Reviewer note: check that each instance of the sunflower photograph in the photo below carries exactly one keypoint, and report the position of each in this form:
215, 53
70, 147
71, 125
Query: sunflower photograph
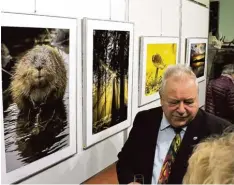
159, 56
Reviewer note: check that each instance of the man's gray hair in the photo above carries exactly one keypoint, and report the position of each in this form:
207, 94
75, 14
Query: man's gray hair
228, 69
178, 70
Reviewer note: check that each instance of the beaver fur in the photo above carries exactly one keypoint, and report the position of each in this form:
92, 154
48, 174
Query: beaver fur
39, 78
37, 89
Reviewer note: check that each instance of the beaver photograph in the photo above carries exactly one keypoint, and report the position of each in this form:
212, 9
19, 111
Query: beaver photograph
35, 96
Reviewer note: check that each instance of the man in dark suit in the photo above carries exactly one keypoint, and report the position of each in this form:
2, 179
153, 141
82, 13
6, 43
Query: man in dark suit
150, 149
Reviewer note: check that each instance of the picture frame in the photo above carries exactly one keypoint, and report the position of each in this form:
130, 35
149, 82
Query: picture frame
197, 58
204, 3
42, 51
108, 52
156, 53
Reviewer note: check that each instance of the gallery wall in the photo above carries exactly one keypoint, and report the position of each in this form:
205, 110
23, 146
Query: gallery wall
174, 18
194, 25
183, 19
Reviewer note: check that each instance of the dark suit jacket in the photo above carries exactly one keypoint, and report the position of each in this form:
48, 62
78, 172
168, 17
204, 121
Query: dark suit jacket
137, 155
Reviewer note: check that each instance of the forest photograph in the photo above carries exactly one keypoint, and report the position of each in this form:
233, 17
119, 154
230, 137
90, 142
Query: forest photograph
110, 78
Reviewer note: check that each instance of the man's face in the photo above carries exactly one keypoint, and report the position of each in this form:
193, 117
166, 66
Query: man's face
179, 100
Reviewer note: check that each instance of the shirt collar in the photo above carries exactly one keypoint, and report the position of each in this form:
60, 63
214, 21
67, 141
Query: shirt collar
165, 124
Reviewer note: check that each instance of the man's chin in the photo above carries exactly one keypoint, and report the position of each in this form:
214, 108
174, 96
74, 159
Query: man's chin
178, 123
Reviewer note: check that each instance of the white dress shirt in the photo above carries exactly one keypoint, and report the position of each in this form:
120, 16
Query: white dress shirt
165, 137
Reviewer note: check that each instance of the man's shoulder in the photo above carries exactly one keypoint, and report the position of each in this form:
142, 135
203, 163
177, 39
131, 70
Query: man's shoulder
153, 111
148, 116
212, 117
214, 121
147, 119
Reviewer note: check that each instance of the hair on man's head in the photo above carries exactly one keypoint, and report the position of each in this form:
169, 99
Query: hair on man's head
179, 71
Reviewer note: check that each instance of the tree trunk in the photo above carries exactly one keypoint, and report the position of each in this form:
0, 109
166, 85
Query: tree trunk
121, 66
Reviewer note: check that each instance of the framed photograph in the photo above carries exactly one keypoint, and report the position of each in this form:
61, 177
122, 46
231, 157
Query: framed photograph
156, 53
37, 94
202, 2
108, 53
196, 56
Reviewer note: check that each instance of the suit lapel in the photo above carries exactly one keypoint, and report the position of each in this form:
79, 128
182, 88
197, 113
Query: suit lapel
154, 119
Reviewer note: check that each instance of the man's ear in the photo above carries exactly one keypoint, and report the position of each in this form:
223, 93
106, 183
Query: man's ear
161, 99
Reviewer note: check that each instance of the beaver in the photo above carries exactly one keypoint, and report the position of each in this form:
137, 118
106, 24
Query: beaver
37, 118
37, 88
39, 77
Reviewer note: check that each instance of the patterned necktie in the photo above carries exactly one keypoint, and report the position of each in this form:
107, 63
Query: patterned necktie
170, 157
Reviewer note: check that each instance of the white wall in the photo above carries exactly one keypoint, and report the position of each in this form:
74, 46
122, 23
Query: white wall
195, 21
151, 18
156, 19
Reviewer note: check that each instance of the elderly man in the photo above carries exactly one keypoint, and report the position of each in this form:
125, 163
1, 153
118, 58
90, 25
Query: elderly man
162, 139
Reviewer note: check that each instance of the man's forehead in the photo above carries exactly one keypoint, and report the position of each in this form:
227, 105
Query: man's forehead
179, 79
182, 99
174, 85
180, 93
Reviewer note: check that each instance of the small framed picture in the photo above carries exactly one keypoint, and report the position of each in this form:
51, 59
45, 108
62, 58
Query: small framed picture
156, 53
196, 56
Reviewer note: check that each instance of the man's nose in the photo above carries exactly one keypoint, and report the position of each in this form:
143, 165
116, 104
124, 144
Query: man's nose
181, 109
